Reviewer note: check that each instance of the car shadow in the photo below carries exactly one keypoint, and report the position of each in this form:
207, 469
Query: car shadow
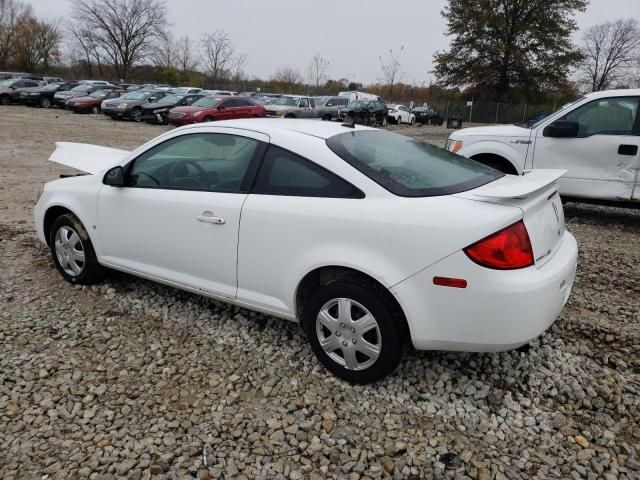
628, 218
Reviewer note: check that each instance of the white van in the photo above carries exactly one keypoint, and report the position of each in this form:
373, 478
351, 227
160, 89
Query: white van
353, 95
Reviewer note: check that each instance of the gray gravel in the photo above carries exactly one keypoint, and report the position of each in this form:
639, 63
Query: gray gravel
135, 380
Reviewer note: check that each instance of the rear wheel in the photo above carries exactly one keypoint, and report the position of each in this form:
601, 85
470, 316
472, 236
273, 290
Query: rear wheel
95, 109
289, 115
208, 118
5, 100
45, 103
353, 331
73, 253
327, 117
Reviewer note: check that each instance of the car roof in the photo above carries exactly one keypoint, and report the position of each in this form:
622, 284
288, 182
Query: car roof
623, 92
313, 128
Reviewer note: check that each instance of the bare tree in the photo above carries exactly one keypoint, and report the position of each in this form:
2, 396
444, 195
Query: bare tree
287, 77
609, 51
85, 42
187, 58
125, 30
36, 43
12, 12
217, 55
391, 69
165, 52
237, 67
48, 38
318, 71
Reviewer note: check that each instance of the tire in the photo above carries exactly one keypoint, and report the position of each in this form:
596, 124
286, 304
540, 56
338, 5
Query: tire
45, 103
289, 115
384, 121
95, 109
327, 118
5, 99
384, 332
412, 122
69, 242
136, 114
399, 120
208, 118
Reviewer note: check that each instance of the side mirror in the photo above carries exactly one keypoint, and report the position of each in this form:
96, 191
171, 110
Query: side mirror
221, 107
114, 177
562, 129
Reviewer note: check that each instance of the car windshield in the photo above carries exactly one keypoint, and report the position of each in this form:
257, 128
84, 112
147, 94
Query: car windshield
182, 89
81, 88
171, 99
358, 104
51, 87
562, 108
206, 102
286, 101
408, 167
99, 94
136, 96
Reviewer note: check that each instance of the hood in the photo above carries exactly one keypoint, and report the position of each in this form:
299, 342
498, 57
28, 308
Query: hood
494, 131
118, 101
87, 158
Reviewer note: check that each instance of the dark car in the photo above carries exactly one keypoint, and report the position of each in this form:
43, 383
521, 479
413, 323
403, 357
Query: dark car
43, 96
208, 109
82, 90
12, 88
129, 106
427, 116
327, 107
365, 112
93, 102
158, 112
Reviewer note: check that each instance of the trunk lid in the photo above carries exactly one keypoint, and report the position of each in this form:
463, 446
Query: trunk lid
535, 193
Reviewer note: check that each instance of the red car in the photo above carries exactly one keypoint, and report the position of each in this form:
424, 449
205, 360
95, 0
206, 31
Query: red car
92, 102
209, 109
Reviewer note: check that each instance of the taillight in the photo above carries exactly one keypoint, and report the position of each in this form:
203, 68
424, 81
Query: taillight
508, 249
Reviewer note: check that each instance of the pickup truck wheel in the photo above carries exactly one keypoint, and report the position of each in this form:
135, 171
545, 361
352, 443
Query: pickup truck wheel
45, 103
73, 253
353, 330
496, 162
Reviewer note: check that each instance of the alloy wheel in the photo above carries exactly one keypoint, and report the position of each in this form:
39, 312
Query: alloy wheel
95, 109
45, 102
69, 251
348, 333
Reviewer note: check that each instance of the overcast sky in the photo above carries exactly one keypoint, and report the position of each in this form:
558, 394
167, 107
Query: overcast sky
351, 34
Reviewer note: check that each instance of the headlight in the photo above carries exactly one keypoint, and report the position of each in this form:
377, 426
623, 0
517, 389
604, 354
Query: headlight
122, 106
34, 94
454, 145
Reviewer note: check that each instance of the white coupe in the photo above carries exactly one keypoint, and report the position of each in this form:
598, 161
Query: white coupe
369, 239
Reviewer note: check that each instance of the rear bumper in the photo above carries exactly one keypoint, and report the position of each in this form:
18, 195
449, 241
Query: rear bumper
499, 310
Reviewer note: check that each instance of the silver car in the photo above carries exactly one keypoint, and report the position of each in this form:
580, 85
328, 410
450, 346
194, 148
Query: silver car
327, 107
292, 106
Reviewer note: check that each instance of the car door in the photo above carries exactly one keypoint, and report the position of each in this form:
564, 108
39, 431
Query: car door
602, 160
227, 110
305, 108
177, 219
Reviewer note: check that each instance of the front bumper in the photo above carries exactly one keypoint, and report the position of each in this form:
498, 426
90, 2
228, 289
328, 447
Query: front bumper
116, 112
180, 121
499, 310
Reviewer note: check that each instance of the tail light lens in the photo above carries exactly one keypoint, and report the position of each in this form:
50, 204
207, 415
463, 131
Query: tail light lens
507, 249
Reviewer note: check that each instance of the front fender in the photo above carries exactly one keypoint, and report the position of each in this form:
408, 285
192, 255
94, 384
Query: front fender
504, 150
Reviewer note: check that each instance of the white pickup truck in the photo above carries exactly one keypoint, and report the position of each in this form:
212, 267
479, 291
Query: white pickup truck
595, 138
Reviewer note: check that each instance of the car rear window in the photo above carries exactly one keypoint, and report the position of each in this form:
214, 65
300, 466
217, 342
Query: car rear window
408, 167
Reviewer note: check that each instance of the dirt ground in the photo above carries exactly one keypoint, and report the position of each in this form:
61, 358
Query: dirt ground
130, 379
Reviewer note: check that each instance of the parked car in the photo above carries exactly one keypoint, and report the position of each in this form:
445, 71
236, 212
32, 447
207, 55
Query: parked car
427, 116
218, 93
595, 138
292, 106
367, 238
10, 89
187, 90
129, 106
209, 109
53, 80
158, 112
92, 103
365, 112
60, 98
43, 96
353, 95
327, 107
399, 114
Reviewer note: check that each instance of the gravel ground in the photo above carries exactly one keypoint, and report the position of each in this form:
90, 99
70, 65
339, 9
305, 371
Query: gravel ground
130, 379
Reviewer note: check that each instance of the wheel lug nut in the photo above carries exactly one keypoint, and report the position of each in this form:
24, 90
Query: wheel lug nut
338, 334
354, 341
353, 330
342, 325
345, 343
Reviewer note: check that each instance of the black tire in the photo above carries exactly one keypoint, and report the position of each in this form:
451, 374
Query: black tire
45, 103
327, 118
96, 109
5, 99
289, 115
208, 118
91, 271
389, 321
136, 114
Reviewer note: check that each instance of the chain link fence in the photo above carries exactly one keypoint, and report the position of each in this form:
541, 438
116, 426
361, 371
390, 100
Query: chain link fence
492, 112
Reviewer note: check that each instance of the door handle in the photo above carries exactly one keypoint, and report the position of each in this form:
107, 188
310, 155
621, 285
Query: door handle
208, 217
628, 150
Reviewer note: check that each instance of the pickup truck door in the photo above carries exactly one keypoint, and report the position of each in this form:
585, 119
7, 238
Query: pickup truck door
603, 160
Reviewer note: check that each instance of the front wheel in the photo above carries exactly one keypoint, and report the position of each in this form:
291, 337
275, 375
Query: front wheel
353, 330
136, 115
73, 253
95, 109
45, 103
5, 99
208, 119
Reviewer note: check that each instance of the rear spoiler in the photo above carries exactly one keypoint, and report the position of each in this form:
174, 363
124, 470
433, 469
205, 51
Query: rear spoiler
519, 186
87, 158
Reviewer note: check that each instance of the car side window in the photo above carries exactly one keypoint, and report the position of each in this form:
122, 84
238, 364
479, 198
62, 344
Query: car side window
228, 103
212, 162
606, 116
285, 173
304, 103
312, 103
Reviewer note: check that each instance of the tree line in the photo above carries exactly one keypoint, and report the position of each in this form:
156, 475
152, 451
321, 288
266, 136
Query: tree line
500, 50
